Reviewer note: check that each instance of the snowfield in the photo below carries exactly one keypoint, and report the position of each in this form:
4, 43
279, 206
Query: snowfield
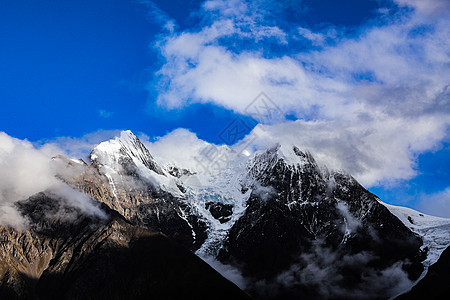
435, 231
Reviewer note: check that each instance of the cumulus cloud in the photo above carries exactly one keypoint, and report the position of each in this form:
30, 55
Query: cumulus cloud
26, 170
373, 153
75, 199
368, 103
316, 39
179, 148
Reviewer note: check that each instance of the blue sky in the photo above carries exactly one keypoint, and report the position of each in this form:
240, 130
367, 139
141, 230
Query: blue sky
340, 71
71, 68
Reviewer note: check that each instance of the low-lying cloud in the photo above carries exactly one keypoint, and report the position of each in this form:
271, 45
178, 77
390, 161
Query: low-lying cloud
25, 171
263, 192
321, 273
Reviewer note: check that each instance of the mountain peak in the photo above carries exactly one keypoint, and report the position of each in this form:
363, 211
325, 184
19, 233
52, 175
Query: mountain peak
124, 149
289, 153
127, 135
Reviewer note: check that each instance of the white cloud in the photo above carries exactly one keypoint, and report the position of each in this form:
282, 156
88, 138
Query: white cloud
427, 7
369, 103
374, 152
315, 38
437, 204
321, 271
179, 148
105, 114
159, 17
24, 171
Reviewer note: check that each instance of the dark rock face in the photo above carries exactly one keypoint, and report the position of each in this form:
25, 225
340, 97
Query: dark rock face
305, 233
99, 258
435, 284
178, 172
140, 202
220, 211
132, 263
296, 211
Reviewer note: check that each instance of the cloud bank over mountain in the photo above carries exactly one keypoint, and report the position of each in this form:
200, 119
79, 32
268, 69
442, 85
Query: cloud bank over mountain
25, 171
370, 100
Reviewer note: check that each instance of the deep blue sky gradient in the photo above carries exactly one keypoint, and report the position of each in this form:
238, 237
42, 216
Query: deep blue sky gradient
62, 62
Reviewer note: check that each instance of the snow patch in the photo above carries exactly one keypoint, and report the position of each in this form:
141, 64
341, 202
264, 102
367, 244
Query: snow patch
435, 231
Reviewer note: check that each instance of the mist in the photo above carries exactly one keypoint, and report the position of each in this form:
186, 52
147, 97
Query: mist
332, 275
26, 170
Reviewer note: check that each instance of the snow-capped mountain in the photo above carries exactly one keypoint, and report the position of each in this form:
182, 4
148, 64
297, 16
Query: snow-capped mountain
276, 223
126, 155
276, 207
434, 231
65, 254
121, 151
143, 191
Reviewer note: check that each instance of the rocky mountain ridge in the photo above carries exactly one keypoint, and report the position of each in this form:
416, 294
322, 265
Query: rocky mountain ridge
98, 258
278, 220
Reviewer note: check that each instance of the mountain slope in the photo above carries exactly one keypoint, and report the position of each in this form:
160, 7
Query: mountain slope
124, 151
276, 223
68, 255
434, 231
298, 212
280, 212
435, 284
120, 177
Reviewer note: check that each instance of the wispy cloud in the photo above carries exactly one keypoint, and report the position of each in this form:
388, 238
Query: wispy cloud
159, 17
80, 147
105, 114
427, 8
